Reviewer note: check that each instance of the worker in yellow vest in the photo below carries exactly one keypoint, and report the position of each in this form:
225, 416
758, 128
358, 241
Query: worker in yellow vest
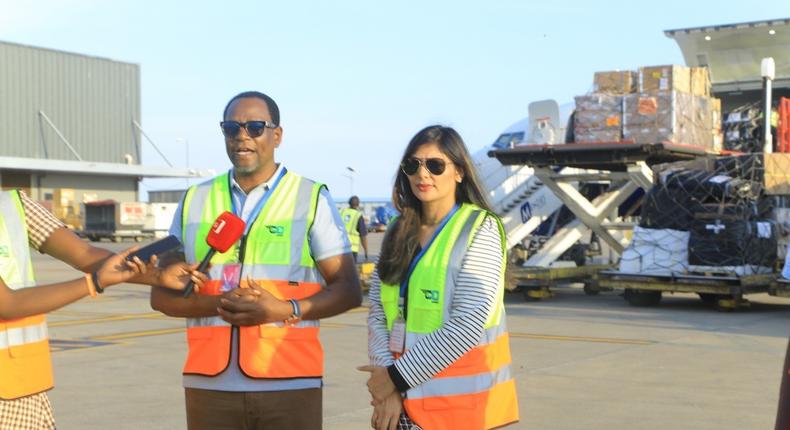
25, 364
254, 357
438, 344
357, 231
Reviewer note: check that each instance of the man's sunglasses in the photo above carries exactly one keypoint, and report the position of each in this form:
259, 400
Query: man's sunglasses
435, 166
254, 128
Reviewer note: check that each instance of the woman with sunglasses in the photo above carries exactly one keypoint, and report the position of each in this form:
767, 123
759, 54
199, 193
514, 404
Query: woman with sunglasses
439, 350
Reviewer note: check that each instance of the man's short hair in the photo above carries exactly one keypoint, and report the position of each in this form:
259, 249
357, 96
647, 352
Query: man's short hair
274, 111
351, 200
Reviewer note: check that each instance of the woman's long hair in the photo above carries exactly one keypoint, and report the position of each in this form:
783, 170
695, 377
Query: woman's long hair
401, 241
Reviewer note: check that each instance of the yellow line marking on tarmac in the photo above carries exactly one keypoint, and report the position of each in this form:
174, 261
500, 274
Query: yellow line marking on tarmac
337, 325
133, 334
111, 318
581, 339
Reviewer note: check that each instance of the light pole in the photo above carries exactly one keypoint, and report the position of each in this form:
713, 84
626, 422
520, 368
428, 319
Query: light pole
350, 180
186, 149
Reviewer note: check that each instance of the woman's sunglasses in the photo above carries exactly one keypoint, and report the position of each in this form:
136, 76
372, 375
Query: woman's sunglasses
435, 166
254, 128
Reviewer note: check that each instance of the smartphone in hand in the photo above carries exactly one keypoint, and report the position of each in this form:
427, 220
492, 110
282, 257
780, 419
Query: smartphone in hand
160, 247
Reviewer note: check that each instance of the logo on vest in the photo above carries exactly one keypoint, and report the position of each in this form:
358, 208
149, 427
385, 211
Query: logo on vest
432, 295
347, 218
276, 230
4, 252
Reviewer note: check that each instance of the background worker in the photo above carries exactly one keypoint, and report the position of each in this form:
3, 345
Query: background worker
25, 363
354, 221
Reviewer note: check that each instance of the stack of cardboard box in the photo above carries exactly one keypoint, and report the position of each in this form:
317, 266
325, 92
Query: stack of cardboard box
658, 104
673, 105
66, 208
599, 116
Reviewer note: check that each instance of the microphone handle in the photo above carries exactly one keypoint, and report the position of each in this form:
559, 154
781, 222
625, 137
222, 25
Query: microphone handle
202, 268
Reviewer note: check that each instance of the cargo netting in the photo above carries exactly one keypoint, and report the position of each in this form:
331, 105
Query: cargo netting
743, 128
710, 215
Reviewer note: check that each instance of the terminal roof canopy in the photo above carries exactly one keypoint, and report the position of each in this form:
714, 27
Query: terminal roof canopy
733, 52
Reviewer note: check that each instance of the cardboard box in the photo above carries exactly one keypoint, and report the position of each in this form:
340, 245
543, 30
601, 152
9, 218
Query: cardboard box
615, 82
598, 118
675, 117
700, 81
715, 113
597, 136
777, 173
657, 79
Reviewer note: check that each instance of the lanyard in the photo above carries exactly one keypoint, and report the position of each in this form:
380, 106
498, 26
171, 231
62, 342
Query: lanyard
258, 207
404, 285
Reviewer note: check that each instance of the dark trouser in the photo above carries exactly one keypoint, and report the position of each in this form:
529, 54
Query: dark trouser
295, 409
355, 256
783, 413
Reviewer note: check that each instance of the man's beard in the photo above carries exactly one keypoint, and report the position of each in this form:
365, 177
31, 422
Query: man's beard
245, 170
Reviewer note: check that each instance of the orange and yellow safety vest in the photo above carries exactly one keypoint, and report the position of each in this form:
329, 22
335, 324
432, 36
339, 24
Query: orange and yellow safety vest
276, 255
477, 391
25, 362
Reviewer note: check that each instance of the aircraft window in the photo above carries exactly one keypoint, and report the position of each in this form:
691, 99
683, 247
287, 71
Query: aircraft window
506, 140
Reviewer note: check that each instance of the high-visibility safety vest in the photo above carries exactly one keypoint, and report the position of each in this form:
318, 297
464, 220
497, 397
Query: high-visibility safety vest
25, 362
277, 256
477, 391
350, 217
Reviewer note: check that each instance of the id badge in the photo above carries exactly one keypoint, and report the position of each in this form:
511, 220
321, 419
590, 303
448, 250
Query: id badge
398, 336
231, 274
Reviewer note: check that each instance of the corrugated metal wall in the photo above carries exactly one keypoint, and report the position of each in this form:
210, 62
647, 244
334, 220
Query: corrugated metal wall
92, 101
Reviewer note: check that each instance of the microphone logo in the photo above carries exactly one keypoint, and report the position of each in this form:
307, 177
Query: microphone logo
218, 226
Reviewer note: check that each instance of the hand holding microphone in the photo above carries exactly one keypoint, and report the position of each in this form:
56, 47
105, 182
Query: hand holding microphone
225, 231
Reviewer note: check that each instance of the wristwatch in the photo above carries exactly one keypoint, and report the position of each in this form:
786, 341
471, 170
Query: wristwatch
296, 314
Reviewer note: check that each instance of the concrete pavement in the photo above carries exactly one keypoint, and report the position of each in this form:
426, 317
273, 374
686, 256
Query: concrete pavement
581, 362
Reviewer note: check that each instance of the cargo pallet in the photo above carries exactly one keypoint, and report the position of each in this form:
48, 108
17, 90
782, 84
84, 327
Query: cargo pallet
724, 291
536, 282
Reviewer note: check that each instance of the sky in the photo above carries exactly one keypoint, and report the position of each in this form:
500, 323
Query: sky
355, 80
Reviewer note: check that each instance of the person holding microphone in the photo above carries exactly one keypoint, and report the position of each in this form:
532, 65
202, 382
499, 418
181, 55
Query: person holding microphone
25, 362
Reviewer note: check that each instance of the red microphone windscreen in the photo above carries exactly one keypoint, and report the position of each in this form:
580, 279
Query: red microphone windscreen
227, 229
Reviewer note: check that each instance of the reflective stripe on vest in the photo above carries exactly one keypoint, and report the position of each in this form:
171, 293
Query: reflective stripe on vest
277, 258
350, 217
477, 391
25, 362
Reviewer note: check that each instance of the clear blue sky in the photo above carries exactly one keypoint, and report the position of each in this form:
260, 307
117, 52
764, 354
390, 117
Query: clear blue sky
356, 79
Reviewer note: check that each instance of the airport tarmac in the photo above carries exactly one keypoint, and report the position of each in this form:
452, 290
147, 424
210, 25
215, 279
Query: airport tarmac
580, 362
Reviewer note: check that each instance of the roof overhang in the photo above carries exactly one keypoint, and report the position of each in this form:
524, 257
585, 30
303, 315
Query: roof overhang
733, 52
100, 169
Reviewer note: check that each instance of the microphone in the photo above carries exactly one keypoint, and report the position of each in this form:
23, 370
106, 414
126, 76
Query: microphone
227, 229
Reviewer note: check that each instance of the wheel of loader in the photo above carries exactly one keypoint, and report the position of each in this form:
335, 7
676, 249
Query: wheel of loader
117, 239
533, 294
710, 298
591, 288
138, 238
642, 298
725, 303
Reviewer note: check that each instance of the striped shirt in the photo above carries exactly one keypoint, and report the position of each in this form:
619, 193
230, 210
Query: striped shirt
474, 300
